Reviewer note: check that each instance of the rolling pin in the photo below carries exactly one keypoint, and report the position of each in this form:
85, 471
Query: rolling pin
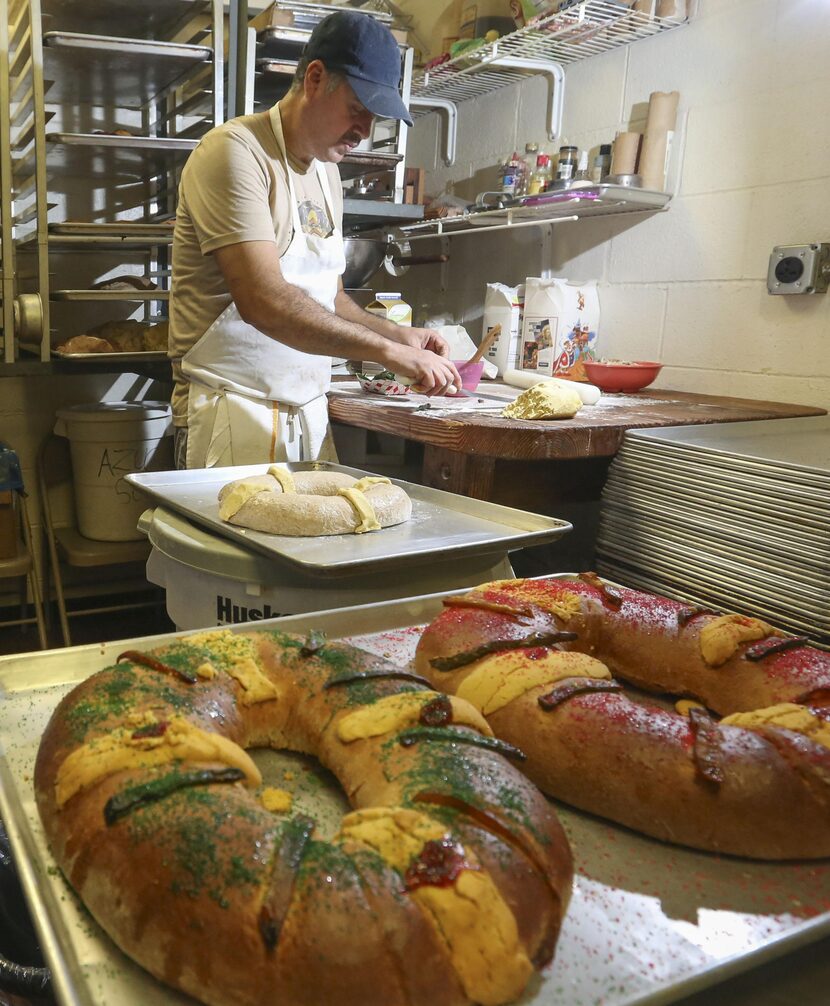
589, 393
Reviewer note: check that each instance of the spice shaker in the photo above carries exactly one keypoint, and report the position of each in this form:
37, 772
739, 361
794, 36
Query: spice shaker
601, 167
567, 163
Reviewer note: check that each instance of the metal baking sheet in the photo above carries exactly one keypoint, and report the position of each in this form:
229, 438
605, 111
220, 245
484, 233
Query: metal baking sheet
736, 562
109, 357
282, 41
730, 591
150, 19
798, 548
780, 523
699, 588
150, 143
118, 228
128, 293
780, 552
692, 486
719, 465
648, 923
690, 588
789, 521
114, 72
808, 593
94, 155
718, 470
442, 523
796, 443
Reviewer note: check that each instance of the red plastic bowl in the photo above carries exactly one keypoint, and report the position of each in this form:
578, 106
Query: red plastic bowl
621, 376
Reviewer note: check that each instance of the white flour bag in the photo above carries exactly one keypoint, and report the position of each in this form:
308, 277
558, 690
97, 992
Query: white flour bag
503, 306
559, 327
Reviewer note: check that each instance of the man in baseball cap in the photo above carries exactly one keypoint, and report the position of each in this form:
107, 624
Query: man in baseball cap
257, 306
366, 53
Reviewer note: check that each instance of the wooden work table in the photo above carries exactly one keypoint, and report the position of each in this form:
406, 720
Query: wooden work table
557, 468
525, 463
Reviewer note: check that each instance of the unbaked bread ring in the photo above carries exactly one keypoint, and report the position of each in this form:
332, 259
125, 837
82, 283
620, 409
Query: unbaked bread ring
445, 885
536, 657
313, 503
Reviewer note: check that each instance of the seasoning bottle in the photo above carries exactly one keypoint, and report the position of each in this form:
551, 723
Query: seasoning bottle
528, 164
510, 173
541, 177
601, 167
567, 163
582, 168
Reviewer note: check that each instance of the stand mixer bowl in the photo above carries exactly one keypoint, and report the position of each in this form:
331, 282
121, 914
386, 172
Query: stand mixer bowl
364, 256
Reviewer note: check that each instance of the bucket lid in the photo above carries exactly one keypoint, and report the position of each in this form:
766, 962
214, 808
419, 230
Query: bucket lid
114, 412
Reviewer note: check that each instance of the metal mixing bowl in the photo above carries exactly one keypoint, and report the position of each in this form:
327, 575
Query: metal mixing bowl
364, 256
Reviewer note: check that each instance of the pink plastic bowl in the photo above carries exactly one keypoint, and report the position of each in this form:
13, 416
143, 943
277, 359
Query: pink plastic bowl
470, 373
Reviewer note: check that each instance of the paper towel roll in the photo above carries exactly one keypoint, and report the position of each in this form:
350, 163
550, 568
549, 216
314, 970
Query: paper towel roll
671, 8
624, 157
589, 394
654, 156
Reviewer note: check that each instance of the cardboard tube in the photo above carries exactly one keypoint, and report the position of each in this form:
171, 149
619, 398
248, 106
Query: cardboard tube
624, 157
671, 8
654, 156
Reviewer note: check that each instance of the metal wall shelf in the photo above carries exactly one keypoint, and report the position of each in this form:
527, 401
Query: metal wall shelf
587, 29
546, 47
554, 207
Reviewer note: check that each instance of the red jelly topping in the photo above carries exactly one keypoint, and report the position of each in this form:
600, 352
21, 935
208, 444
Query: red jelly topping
438, 865
151, 730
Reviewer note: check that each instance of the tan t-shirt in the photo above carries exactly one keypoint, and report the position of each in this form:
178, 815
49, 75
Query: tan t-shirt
234, 187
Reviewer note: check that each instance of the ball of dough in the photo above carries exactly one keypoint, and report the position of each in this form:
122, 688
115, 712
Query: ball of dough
547, 400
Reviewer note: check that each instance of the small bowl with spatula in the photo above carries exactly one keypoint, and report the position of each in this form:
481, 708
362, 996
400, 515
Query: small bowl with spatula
471, 370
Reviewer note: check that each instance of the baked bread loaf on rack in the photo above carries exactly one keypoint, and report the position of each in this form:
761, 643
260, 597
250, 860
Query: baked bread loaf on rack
445, 885
306, 504
536, 657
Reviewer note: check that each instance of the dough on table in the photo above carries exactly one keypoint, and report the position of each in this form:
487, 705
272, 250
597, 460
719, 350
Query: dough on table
545, 401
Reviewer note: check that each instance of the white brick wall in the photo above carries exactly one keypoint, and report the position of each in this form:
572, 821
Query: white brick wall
689, 285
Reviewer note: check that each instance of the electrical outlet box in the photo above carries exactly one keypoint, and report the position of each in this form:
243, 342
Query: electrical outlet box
799, 269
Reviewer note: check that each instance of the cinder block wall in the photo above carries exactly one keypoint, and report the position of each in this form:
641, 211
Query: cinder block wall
687, 286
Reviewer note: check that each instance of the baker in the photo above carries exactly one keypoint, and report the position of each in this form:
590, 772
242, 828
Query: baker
257, 306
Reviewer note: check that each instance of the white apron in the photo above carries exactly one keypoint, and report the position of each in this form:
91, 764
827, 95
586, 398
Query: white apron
253, 399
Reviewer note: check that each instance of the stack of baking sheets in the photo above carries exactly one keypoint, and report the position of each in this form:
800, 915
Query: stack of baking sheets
733, 515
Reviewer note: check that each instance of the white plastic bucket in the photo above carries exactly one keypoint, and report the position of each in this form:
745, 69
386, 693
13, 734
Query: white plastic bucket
108, 440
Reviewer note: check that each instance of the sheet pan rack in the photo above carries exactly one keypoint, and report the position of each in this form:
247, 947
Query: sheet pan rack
24, 206
155, 66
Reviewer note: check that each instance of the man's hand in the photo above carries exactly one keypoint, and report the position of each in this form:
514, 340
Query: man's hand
430, 373
425, 338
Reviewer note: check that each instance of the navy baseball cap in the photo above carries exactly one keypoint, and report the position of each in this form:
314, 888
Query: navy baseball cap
366, 53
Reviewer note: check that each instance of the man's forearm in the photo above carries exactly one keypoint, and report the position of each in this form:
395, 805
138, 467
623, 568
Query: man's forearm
346, 308
286, 313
